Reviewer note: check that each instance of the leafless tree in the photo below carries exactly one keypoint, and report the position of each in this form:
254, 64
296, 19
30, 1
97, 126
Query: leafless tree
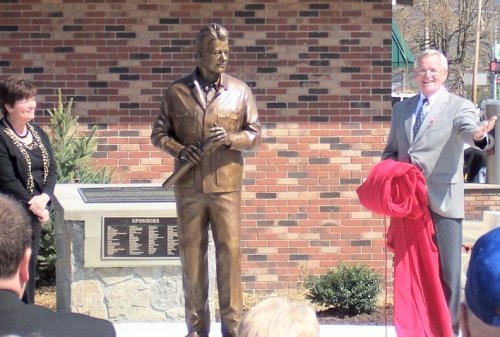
450, 26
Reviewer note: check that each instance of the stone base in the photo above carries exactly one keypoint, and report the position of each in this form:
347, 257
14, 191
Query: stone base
130, 292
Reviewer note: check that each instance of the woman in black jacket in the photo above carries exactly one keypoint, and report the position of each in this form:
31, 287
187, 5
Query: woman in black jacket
27, 166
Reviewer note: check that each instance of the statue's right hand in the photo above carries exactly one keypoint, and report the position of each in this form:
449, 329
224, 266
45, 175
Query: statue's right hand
190, 153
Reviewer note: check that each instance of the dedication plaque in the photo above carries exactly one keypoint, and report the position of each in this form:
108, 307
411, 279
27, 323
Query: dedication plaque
125, 194
139, 238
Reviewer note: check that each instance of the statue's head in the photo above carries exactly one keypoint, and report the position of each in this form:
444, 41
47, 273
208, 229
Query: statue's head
212, 51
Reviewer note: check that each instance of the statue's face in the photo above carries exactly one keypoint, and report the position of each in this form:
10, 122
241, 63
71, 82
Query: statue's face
212, 59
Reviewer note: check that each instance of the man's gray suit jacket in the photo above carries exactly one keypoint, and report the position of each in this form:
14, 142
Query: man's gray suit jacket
437, 148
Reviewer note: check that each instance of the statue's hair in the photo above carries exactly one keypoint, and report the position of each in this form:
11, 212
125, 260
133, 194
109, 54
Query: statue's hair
209, 33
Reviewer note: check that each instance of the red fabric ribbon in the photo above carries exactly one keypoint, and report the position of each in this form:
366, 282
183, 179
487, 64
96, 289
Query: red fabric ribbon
399, 190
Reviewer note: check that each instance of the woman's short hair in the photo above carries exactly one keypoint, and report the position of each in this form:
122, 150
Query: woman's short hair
14, 89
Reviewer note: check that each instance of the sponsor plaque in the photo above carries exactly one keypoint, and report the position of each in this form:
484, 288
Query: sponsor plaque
139, 238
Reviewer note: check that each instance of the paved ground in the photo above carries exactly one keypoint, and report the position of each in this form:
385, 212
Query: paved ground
178, 329
472, 230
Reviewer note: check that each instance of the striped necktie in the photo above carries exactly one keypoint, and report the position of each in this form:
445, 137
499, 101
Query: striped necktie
419, 118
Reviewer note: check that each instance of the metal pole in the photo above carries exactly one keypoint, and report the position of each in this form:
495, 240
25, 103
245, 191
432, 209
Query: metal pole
476, 53
493, 162
427, 38
495, 175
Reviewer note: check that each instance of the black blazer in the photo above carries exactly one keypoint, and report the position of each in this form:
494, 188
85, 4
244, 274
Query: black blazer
24, 320
14, 169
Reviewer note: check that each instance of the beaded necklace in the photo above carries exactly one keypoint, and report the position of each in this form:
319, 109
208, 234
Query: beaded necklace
14, 130
37, 142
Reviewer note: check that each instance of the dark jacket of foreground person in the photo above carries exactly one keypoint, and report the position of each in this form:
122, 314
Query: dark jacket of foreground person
26, 320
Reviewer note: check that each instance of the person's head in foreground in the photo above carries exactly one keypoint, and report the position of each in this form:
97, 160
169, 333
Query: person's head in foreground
480, 312
15, 242
279, 317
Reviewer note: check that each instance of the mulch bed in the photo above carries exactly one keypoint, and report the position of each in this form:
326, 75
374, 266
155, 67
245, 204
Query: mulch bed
46, 297
381, 316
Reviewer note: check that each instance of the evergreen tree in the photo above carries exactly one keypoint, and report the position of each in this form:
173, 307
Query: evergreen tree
73, 154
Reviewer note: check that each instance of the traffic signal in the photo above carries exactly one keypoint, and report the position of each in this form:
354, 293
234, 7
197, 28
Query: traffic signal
497, 80
495, 66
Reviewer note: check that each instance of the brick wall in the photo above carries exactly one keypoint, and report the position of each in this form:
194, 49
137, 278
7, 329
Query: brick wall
480, 198
320, 72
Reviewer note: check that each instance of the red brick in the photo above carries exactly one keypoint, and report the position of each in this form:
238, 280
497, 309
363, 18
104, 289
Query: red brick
292, 128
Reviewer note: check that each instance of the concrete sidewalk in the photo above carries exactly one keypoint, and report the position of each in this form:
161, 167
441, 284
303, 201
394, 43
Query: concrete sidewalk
178, 329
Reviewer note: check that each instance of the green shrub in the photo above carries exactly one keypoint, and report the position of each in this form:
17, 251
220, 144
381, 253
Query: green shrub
348, 289
72, 153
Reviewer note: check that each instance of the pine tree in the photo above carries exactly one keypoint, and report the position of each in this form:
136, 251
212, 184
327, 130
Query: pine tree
73, 154
72, 151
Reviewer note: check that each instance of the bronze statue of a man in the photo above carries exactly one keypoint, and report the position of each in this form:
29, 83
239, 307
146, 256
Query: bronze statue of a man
211, 108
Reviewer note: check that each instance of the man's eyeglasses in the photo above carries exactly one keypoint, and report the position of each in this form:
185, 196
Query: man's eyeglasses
432, 72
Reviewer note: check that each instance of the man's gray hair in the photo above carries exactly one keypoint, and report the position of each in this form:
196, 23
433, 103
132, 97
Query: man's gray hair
429, 53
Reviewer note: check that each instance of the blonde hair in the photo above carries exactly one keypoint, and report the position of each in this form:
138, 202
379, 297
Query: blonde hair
279, 317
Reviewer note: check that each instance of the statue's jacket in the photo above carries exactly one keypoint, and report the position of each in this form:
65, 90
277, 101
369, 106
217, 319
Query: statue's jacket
186, 119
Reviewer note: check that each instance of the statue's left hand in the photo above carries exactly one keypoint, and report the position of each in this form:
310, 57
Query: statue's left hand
219, 135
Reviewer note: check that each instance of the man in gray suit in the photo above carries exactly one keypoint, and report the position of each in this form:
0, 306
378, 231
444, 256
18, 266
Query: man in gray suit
429, 130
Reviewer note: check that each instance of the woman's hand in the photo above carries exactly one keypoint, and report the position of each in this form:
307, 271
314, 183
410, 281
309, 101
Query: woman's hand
43, 216
38, 206
38, 203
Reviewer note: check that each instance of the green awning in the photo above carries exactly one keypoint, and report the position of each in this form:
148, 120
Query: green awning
401, 54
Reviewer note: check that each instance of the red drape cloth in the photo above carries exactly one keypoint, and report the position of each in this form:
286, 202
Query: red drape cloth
399, 190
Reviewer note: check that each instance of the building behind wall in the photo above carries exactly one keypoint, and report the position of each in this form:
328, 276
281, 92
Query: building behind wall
321, 75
